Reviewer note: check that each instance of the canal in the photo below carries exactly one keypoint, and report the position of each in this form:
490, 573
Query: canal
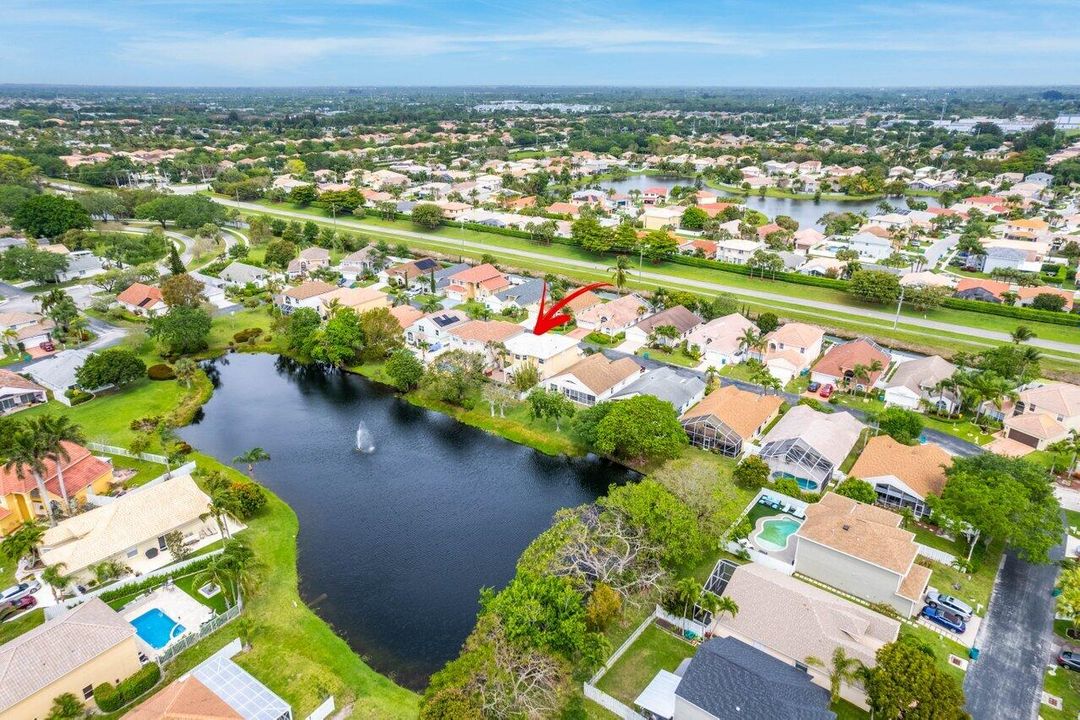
395, 544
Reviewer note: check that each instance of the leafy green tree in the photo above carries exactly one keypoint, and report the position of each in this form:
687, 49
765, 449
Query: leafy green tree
603, 607
1001, 498
280, 252
427, 215
751, 473
876, 286
113, 366
586, 423
182, 291
49, 216
310, 232
455, 376
11, 197
381, 332
1048, 301
640, 429
694, 218
658, 245
544, 612
667, 521
906, 683
550, 404
901, 424
29, 263
176, 265
182, 330
405, 369
857, 489
303, 327
303, 195
340, 341
587, 232
15, 170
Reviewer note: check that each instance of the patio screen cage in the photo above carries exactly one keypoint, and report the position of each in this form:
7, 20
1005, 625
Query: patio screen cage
795, 457
709, 433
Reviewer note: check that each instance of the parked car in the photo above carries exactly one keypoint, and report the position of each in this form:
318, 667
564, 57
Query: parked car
955, 605
47, 346
17, 606
18, 592
945, 618
826, 390
1069, 659
813, 387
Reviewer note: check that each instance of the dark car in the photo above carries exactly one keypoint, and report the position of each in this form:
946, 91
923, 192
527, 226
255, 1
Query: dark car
813, 387
17, 606
1069, 659
944, 618
47, 346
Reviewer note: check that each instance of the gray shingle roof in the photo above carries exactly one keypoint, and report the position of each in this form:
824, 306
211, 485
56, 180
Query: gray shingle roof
731, 680
666, 384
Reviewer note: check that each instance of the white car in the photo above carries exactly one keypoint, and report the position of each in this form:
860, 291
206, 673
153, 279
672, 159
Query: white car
18, 592
947, 602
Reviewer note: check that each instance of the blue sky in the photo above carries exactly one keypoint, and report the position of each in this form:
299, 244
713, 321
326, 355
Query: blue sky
539, 42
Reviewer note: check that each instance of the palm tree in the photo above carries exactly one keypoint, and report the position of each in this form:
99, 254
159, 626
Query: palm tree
56, 430
1028, 356
252, 456
26, 454
11, 339
54, 577
235, 570
185, 370
221, 506
24, 541
424, 346
687, 590
722, 605
844, 669
1022, 334
620, 272
751, 339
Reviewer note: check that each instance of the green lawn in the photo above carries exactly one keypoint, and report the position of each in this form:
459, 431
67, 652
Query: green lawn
942, 646
738, 371
144, 471
976, 588
1065, 684
1072, 519
846, 711
225, 326
654, 650
14, 628
930, 539
676, 357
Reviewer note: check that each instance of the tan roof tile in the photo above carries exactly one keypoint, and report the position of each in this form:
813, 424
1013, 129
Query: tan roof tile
742, 411
920, 467
866, 532
599, 374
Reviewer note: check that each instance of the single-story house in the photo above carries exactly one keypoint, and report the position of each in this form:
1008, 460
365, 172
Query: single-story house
365, 260
307, 294
80, 264
405, 273
17, 393
238, 274
360, 299
132, 528
792, 620
682, 390
862, 550
902, 475
1025, 296
525, 296
809, 446
677, 317
406, 315
595, 378
142, 299
57, 373
484, 336
551, 353
720, 340
613, 317
914, 382
729, 417
839, 363
73, 653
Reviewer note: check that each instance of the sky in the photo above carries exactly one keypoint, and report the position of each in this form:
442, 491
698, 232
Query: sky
540, 42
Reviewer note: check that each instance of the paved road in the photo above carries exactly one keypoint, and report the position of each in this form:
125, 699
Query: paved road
661, 278
1006, 681
951, 443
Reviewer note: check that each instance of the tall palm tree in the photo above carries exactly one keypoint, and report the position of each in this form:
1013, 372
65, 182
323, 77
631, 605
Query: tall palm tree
687, 590
26, 454
1022, 334
23, 541
221, 506
750, 339
11, 339
58, 582
723, 606
56, 430
249, 458
235, 570
185, 370
620, 272
843, 669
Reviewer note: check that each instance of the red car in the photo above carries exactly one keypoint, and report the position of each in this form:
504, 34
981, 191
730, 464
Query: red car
17, 606
47, 346
826, 391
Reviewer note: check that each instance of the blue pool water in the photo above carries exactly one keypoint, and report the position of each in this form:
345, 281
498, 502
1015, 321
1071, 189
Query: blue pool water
157, 628
774, 533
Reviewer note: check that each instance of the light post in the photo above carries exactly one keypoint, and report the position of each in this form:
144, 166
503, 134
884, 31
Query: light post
898, 304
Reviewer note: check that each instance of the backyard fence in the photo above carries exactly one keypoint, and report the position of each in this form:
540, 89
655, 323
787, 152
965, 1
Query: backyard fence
117, 450
936, 555
323, 711
137, 579
210, 626
602, 698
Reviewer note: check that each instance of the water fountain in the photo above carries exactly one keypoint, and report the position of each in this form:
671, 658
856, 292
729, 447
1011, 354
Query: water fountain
365, 443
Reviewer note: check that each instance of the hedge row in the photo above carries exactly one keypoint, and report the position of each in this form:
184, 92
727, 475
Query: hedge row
146, 584
111, 699
1012, 311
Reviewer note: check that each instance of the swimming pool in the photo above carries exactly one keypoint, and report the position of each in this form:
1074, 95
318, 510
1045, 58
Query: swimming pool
157, 628
775, 532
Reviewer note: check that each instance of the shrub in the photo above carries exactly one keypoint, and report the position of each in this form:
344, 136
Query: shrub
247, 335
249, 497
161, 371
145, 424
752, 473
77, 396
140, 682
106, 697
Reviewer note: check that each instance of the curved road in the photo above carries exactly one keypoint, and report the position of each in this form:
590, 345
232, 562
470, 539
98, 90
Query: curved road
877, 315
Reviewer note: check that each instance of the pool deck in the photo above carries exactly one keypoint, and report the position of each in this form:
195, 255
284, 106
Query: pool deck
175, 603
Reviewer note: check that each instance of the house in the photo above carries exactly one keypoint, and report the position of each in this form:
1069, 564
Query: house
143, 300
925, 279
902, 475
27, 329
215, 689
870, 245
360, 299
483, 336
1026, 229
807, 238
915, 382
403, 274
1022, 255
308, 261
406, 315
737, 251
980, 289
239, 274
595, 378
720, 341
789, 349
80, 264
432, 329
808, 446
841, 362
18, 393
57, 373
613, 317
683, 391
72, 653
1025, 296
476, 283
792, 620
307, 294
728, 679
524, 296
677, 317
653, 195
729, 417
1042, 415
131, 529
862, 550
363, 261
551, 353
658, 218
82, 474
583, 302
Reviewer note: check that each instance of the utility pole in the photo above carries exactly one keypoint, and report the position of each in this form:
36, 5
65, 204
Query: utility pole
898, 305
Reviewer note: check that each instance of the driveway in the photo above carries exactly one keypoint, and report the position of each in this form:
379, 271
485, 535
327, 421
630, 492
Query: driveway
1006, 681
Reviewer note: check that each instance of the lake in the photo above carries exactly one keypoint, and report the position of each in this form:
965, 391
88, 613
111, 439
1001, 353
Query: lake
394, 545
806, 212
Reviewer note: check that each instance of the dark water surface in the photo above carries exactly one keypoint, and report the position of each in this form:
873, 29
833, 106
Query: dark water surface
394, 545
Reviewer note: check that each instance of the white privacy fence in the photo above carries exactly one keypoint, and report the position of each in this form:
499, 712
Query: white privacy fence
117, 450
190, 638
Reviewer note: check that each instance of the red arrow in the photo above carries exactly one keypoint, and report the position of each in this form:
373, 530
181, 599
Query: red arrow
547, 320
